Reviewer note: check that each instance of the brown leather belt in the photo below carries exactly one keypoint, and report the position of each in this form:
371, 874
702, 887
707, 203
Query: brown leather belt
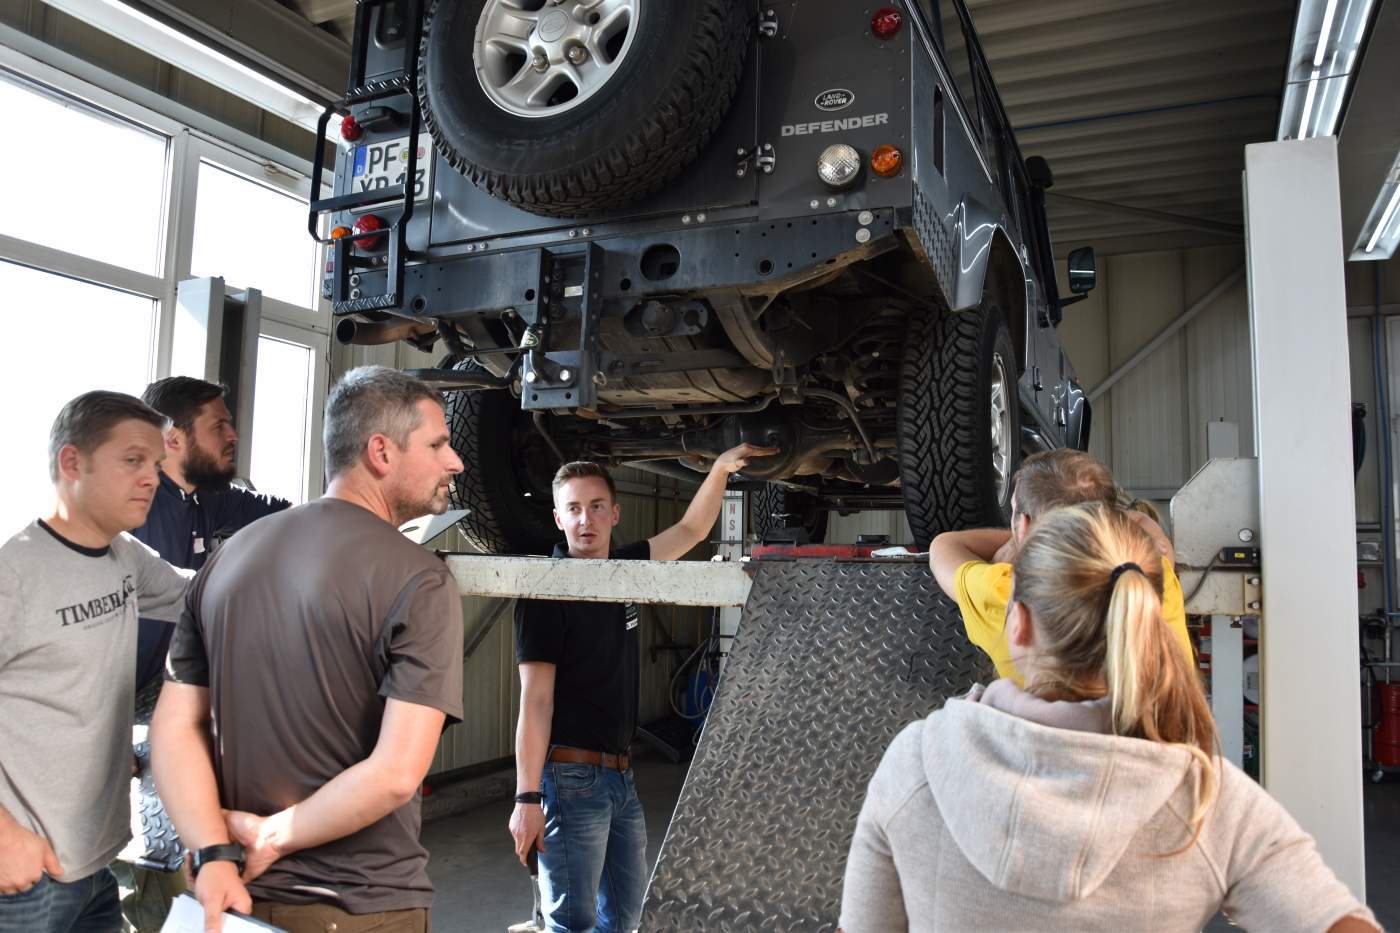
582, 756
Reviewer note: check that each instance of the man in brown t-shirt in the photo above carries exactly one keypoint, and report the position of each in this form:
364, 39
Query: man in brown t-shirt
325, 650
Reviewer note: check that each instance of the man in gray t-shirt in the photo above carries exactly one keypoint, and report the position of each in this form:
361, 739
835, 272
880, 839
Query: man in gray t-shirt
325, 650
71, 587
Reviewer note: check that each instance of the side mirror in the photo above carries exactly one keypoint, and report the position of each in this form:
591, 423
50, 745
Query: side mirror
1082, 270
1038, 171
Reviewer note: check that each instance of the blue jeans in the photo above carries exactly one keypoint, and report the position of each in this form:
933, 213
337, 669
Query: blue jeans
87, 906
593, 871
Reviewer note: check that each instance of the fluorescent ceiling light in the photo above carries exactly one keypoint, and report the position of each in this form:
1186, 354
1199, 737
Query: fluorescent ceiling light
1380, 234
1320, 65
188, 54
1322, 33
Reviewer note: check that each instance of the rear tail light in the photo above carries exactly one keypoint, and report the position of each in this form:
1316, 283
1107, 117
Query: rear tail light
885, 23
340, 232
350, 130
368, 224
838, 165
886, 161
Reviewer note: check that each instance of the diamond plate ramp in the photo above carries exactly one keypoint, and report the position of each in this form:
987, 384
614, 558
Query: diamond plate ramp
832, 659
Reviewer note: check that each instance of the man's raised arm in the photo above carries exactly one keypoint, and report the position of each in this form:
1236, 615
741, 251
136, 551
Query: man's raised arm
700, 517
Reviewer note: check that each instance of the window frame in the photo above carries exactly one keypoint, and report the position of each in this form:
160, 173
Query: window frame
187, 146
319, 345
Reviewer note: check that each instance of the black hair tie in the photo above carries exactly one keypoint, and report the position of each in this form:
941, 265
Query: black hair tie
1119, 571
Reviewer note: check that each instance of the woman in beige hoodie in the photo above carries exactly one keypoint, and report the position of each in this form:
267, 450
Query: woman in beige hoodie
1093, 799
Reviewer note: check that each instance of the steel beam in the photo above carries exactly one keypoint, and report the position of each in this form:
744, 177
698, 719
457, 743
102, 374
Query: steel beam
1175, 220
672, 582
269, 37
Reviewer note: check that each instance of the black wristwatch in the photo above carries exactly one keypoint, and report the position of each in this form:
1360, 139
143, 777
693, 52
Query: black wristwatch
231, 852
530, 796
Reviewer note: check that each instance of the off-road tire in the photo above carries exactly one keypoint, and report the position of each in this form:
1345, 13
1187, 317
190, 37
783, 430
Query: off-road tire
652, 119
773, 506
944, 421
495, 441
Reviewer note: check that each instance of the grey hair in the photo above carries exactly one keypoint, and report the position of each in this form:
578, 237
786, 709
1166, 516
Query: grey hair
86, 421
370, 400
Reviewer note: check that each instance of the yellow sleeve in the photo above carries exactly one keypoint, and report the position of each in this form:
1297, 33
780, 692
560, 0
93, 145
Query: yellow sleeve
1174, 609
982, 591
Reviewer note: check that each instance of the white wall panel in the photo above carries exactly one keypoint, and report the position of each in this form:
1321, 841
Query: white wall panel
1218, 363
1150, 427
1148, 421
844, 529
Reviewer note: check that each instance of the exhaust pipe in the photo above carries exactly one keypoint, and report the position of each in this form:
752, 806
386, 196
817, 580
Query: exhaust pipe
348, 330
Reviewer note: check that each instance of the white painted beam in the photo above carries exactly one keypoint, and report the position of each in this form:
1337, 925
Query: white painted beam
671, 582
323, 11
1310, 710
1149, 348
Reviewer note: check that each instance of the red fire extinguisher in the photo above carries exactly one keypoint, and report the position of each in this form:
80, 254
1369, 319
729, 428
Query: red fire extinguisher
1386, 749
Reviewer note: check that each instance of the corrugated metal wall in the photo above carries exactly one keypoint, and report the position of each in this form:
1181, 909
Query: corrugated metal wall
491, 683
846, 528
1150, 427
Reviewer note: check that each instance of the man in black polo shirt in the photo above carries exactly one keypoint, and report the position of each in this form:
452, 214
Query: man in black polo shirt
579, 666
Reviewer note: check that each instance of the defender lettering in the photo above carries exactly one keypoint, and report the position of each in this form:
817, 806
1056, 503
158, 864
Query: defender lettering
836, 126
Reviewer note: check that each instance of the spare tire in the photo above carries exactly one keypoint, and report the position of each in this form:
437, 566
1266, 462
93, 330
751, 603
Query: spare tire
572, 107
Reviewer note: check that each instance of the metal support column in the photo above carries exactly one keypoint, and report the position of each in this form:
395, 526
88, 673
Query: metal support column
216, 338
1310, 728
1227, 632
731, 549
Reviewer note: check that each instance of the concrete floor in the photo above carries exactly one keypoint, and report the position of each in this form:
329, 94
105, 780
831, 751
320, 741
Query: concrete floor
481, 888
1382, 808
479, 885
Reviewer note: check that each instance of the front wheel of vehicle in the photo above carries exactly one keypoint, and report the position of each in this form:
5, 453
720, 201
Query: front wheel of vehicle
959, 422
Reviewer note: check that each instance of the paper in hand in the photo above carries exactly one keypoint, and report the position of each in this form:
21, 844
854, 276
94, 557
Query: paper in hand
186, 916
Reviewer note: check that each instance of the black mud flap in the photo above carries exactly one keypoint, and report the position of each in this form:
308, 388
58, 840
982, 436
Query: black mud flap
832, 659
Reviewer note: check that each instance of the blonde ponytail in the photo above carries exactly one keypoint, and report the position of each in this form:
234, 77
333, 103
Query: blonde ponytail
1092, 580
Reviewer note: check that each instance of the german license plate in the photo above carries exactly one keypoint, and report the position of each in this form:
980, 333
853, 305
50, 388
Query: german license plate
383, 164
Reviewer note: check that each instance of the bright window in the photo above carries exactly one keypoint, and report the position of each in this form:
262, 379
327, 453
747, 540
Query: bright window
64, 338
253, 236
80, 180
281, 419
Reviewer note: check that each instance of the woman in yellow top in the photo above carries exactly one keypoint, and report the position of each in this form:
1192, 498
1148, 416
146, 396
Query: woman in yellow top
974, 566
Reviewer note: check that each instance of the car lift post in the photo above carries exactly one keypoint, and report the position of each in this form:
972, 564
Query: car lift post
1310, 713
731, 550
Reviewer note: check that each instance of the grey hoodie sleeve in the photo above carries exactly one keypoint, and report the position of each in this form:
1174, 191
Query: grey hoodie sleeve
1275, 879
872, 899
